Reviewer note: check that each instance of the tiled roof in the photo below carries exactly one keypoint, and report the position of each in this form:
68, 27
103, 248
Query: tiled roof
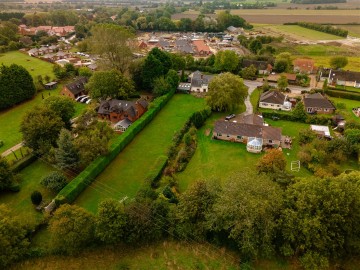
77, 86
273, 97
342, 75
317, 101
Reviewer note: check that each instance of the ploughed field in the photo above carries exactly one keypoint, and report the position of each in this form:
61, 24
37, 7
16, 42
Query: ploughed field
280, 16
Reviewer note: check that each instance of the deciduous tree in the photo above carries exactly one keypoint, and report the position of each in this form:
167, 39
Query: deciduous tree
282, 83
226, 92
6, 174
272, 162
62, 106
337, 62
226, 60
111, 42
72, 228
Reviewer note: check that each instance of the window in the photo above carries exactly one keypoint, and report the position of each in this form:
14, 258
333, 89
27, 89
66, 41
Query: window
239, 137
326, 110
265, 104
228, 135
219, 134
270, 141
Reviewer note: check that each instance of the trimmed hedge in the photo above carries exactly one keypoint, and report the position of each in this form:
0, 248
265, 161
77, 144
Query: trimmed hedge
154, 174
23, 163
70, 192
310, 119
343, 94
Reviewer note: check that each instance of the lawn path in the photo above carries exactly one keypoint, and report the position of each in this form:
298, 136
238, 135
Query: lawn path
126, 174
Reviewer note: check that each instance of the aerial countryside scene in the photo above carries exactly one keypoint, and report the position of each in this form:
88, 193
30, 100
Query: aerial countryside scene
180, 135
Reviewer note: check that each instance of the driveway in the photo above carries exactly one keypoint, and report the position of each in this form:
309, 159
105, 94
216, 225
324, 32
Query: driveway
251, 87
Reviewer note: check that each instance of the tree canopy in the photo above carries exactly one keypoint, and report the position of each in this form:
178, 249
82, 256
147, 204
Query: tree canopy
16, 85
226, 92
110, 84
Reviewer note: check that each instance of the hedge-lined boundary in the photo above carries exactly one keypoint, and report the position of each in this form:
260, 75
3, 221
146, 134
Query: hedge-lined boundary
70, 192
23, 163
310, 119
154, 174
343, 94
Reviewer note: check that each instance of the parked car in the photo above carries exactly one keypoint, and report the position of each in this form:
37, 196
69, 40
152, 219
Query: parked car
88, 101
84, 99
231, 116
80, 97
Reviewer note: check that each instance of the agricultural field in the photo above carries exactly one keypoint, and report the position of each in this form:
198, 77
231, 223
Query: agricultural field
35, 66
126, 174
19, 202
280, 16
354, 30
216, 159
298, 32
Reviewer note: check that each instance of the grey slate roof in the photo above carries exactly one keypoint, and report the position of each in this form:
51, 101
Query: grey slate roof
273, 97
183, 45
198, 79
77, 86
117, 106
260, 65
252, 119
317, 101
342, 75
247, 130
143, 103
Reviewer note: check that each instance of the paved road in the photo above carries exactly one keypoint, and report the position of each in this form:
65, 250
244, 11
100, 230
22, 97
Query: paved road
252, 86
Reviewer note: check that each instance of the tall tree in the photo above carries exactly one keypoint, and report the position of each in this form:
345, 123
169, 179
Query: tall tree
246, 212
282, 83
14, 243
110, 84
6, 174
62, 106
111, 42
66, 155
255, 46
226, 60
321, 218
111, 222
226, 92
72, 228
337, 62
273, 161
16, 85
40, 128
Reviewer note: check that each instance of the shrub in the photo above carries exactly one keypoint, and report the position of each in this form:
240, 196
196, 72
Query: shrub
55, 181
36, 197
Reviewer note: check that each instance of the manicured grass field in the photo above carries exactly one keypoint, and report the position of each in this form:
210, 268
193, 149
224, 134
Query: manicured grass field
126, 174
20, 202
347, 112
159, 256
10, 119
299, 32
216, 159
35, 66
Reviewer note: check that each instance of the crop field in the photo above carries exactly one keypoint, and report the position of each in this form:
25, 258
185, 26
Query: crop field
280, 16
216, 159
126, 174
35, 66
354, 30
298, 32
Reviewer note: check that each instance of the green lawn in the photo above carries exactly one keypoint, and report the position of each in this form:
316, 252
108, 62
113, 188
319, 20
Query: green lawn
125, 175
10, 119
216, 159
349, 104
158, 256
35, 66
254, 98
19, 202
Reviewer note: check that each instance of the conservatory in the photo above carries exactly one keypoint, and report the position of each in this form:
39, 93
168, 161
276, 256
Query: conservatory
254, 145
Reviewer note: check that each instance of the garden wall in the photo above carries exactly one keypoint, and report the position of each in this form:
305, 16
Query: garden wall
70, 192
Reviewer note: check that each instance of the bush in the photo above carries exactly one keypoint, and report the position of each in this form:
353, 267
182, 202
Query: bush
55, 181
36, 197
23, 163
343, 94
76, 186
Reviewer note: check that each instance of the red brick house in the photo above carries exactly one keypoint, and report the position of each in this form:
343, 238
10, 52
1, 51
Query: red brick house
116, 110
75, 89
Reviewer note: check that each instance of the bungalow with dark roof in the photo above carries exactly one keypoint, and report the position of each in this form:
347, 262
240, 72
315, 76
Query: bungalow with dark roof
75, 89
116, 110
346, 78
263, 67
317, 103
253, 133
274, 100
